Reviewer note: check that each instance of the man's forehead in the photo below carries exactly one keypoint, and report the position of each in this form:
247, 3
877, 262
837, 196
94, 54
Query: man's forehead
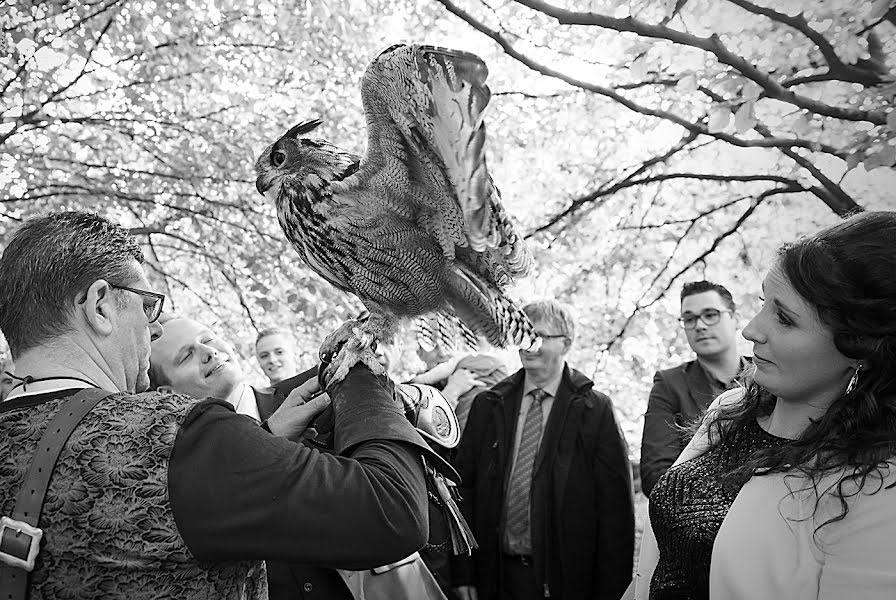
545, 322
696, 303
275, 341
140, 276
178, 333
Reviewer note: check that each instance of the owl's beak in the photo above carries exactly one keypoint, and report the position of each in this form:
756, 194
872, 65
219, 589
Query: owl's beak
261, 186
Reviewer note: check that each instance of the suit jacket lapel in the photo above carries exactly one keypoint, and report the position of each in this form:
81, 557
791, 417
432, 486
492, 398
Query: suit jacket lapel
550, 438
569, 428
269, 399
698, 387
264, 399
506, 421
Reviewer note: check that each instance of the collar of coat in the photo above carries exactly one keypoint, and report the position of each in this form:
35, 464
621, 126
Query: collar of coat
572, 382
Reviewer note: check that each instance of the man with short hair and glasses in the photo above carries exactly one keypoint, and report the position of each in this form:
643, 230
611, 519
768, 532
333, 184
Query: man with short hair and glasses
546, 481
152, 303
160, 495
682, 393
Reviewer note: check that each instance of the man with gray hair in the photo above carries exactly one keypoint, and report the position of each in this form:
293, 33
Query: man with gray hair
161, 495
546, 480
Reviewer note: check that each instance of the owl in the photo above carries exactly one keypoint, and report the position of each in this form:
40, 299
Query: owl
415, 225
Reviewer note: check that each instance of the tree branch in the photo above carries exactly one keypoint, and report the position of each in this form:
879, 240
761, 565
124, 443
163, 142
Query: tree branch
702, 257
46, 42
713, 45
631, 105
642, 226
830, 193
837, 69
630, 181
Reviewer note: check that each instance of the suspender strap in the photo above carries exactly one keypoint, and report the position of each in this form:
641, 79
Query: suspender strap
19, 536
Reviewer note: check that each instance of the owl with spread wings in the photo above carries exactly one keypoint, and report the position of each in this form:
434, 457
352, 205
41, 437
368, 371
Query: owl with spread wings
415, 226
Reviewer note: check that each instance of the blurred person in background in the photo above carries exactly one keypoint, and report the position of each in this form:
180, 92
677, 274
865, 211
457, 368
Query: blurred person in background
459, 376
275, 349
681, 394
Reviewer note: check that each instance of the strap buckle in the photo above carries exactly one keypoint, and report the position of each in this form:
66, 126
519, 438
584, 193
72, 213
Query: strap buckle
19, 543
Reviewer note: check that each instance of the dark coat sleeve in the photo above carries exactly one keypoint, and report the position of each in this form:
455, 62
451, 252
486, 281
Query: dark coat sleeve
615, 511
283, 388
237, 492
661, 441
465, 463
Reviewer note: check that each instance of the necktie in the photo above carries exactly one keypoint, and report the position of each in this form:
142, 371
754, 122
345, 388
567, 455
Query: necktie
521, 478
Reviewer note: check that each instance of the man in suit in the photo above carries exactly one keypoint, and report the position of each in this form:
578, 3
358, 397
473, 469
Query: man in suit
188, 358
275, 350
546, 482
682, 393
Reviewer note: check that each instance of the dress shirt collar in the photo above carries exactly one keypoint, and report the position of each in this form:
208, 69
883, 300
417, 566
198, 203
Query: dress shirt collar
550, 387
243, 400
47, 386
718, 383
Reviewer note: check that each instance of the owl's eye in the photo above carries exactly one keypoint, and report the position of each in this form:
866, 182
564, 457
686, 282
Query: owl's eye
278, 157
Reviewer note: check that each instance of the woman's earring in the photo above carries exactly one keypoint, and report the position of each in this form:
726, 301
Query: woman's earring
853, 380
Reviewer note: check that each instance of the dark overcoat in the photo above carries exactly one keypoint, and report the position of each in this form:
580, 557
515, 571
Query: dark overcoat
581, 502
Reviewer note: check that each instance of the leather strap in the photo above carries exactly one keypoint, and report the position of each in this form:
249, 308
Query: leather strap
30, 501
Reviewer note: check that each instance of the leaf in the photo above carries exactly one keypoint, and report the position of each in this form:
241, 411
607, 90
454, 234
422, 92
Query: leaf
638, 68
751, 91
669, 8
854, 159
885, 157
745, 118
801, 125
879, 8
891, 120
719, 117
688, 83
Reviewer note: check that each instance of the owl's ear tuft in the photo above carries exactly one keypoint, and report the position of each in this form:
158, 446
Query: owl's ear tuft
303, 128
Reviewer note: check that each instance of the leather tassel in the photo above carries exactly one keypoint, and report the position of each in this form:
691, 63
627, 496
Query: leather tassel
462, 539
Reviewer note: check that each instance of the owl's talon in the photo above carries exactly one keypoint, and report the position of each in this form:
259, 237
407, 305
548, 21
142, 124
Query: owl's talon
351, 353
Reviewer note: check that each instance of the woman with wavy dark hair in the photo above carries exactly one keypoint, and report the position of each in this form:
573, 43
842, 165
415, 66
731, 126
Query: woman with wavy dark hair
788, 488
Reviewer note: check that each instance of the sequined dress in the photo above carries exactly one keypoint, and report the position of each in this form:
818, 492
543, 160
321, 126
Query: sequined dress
687, 506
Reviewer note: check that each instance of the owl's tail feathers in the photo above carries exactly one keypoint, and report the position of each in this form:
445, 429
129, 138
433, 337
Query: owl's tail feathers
487, 311
445, 330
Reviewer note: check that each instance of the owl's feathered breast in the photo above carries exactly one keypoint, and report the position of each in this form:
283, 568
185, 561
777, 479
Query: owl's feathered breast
319, 244
354, 243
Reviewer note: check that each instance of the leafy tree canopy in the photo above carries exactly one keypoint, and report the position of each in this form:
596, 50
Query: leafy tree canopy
640, 144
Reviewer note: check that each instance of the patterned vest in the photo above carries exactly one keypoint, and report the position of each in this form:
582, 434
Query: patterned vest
108, 527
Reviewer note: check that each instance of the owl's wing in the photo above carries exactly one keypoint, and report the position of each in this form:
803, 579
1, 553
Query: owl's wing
424, 108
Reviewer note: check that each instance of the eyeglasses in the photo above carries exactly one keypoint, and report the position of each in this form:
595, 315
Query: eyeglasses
547, 336
709, 317
153, 311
